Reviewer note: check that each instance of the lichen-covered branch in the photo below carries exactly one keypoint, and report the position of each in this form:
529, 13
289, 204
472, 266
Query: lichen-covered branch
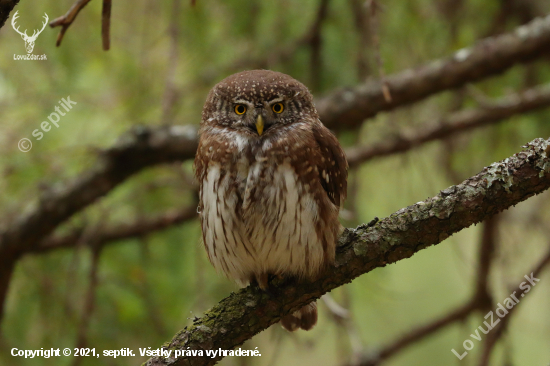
347, 108
246, 313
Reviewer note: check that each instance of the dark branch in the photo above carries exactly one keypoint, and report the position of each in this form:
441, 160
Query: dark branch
66, 20
121, 232
6, 6
361, 20
136, 150
457, 122
172, 94
418, 334
246, 313
348, 108
314, 40
106, 24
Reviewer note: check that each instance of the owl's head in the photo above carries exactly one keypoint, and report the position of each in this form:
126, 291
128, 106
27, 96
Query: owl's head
257, 103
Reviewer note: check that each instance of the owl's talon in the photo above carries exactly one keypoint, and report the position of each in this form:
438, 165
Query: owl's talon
269, 291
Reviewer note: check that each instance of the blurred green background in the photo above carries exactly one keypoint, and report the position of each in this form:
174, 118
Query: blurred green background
164, 57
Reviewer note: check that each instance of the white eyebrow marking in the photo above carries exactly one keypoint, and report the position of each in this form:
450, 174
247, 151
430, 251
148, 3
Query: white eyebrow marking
242, 101
276, 100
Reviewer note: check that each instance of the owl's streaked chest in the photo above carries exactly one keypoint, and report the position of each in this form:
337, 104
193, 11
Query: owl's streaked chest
262, 214
254, 167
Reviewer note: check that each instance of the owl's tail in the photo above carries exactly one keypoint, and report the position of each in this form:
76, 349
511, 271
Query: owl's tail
305, 318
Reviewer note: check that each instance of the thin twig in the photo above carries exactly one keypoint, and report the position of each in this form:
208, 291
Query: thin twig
281, 54
374, 8
315, 43
66, 20
362, 23
344, 321
171, 93
106, 24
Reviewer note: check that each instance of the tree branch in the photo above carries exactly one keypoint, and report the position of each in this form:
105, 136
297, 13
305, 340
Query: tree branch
480, 301
457, 122
315, 42
347, 108
106, 24
6, 6
126, 231
66, 20
136, 150
249, 311
139, 148
172, 95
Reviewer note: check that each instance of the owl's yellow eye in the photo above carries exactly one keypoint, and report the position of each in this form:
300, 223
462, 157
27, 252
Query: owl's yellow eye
278, 107
240, 109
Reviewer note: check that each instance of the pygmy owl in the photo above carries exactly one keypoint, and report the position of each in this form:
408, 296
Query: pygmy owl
272, 179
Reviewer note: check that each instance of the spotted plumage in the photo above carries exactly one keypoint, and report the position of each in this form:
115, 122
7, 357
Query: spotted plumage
272, 179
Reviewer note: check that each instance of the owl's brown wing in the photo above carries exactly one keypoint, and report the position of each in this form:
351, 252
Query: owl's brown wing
332, 164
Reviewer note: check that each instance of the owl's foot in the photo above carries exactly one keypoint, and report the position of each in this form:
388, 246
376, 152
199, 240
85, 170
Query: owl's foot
269, 282
262, 280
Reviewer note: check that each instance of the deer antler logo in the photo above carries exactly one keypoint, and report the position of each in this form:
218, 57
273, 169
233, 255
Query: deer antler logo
29, 41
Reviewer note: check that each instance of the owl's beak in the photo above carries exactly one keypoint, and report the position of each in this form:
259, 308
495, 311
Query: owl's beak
260, 124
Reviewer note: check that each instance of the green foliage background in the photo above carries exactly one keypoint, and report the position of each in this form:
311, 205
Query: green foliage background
150, 288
